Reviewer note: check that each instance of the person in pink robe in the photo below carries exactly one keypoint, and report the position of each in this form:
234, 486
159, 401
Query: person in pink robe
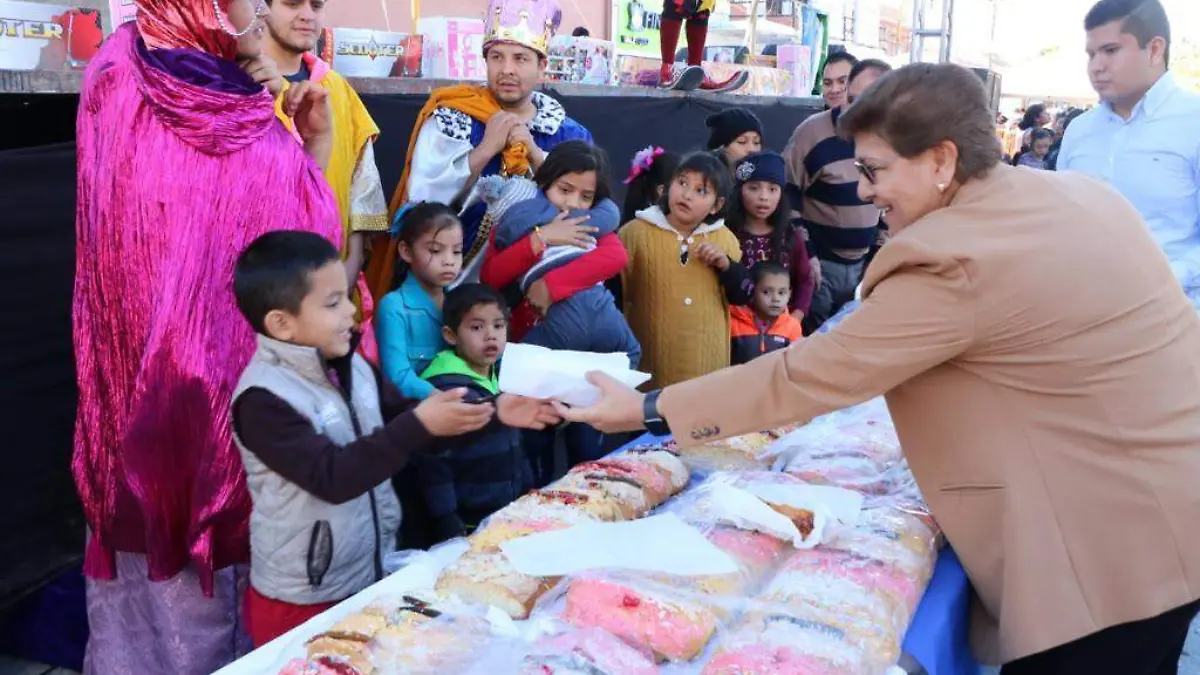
181, 163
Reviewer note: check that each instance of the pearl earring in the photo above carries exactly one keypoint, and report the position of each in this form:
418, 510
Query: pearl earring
941, 187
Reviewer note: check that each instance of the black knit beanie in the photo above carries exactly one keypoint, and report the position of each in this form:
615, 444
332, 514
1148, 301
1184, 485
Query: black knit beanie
727, 125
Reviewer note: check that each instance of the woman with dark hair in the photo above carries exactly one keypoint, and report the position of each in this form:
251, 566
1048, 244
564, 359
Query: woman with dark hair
1046, 393
1036, 116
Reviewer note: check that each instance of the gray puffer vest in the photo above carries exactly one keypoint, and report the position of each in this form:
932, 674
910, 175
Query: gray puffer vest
304, 550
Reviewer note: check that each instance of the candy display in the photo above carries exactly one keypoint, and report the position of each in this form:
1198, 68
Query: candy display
834, 598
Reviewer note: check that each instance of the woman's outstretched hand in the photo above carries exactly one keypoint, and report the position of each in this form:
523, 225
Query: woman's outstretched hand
619, 408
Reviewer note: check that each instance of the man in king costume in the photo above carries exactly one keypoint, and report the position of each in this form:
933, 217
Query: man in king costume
468, 131
293, 27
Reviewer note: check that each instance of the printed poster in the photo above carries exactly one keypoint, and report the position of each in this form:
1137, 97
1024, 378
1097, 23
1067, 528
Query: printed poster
361, 52
636, 26
452, 48
47, 37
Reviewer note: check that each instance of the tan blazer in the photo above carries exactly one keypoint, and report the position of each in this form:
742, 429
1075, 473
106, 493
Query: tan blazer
1042, 367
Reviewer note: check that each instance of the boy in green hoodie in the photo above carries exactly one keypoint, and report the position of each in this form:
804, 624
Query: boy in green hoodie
488, 469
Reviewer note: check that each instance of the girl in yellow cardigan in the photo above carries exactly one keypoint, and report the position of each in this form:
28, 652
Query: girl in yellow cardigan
681, 277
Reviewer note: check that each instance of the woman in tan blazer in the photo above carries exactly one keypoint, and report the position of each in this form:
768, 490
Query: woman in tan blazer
1042, 367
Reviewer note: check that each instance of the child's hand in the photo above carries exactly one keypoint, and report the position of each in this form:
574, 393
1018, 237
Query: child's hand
711, 255
526, 413
446, 414
566, 231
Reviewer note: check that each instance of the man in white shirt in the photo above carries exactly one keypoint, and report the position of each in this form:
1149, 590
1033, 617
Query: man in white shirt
1144, 137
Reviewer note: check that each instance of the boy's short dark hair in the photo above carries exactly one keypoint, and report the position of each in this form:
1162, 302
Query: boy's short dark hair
273, 273
461, 299
766, 268
1143, 19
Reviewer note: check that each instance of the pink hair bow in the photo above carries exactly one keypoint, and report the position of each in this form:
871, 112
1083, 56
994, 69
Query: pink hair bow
642, 162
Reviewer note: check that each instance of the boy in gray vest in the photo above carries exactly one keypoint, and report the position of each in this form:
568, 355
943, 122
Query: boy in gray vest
321, 433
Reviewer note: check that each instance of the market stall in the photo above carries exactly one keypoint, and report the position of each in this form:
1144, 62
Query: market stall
667, 560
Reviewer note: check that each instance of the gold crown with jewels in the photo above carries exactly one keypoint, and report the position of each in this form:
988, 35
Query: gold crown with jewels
529, 23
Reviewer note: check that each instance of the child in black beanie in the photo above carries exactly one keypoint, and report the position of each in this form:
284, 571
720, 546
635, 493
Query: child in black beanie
735, 133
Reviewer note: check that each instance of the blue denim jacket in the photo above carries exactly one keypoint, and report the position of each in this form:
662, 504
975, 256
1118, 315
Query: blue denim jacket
408, 327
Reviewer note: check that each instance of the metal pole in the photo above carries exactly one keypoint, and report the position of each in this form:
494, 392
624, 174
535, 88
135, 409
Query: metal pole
914, 37
753, 28
947, 31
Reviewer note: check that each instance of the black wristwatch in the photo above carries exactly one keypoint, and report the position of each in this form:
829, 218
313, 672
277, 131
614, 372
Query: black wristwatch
651, 418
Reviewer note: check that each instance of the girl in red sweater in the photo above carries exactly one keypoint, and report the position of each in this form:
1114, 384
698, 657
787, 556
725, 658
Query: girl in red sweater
556, 248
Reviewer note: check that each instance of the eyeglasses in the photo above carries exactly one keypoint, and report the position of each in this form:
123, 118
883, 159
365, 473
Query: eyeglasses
867, 171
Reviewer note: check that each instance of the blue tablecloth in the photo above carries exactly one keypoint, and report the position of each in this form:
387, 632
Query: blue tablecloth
937, 638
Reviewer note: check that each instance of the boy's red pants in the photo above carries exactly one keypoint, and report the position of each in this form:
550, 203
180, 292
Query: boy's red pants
267, 619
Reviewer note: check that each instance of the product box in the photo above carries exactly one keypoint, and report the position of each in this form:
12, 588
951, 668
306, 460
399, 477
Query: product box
797, 60
359, 52
581, 60
34, 36
121, 11
452, 48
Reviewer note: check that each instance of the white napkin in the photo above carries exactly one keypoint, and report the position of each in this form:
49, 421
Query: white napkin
537, 372
661, 543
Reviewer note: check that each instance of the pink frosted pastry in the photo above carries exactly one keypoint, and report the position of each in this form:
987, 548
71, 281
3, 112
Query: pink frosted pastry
588, 651
675, 630
766, 660
875, 576
755, 551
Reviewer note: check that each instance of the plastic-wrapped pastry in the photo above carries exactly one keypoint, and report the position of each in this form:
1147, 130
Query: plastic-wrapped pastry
740, 453
587, 651
494, 533
445, 643
641, 612
320, 666
531, 507
673, 616
347, 643
488, 579
605, 497
783, 645
665, 459
658, 482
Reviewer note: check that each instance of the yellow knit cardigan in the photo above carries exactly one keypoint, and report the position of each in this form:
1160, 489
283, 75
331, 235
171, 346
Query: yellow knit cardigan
678, 312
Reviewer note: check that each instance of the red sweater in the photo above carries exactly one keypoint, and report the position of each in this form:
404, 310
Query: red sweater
501, 268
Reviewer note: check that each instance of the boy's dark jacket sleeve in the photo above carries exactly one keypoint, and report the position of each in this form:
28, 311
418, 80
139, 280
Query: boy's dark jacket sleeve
522, 217
738, 283
436, 472
286, 442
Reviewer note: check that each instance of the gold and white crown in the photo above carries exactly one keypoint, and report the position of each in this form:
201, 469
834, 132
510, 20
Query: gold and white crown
530, 23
